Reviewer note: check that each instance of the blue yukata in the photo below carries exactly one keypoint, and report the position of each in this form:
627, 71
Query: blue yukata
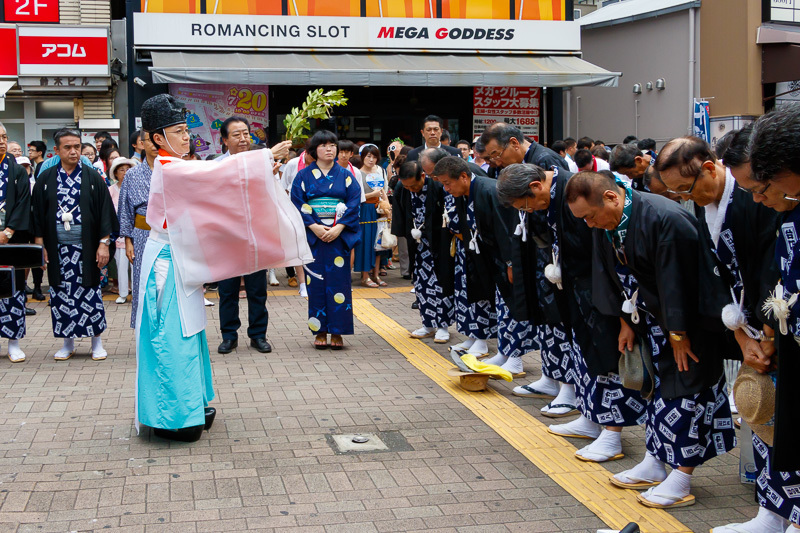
328, 200
133, 197
779, 492
684, 431
477, 320
12, 310
76, 311
515, 338
435, 309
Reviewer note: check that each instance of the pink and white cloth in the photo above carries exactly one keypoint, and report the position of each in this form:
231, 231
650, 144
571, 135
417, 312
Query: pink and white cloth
226, 218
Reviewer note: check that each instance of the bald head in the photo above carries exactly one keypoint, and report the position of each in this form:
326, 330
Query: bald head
685, 155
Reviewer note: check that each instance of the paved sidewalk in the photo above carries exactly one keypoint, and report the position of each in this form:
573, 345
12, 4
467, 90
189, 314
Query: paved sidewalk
70, 459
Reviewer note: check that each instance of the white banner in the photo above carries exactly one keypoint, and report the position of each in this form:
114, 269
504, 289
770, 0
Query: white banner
247, 32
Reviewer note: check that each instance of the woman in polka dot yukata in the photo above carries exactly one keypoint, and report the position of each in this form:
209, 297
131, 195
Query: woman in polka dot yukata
329, 199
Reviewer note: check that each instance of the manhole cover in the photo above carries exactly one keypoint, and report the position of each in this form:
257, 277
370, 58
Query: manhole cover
384, 441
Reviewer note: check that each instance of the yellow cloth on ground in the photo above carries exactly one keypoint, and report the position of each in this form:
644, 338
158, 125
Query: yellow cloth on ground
472, 362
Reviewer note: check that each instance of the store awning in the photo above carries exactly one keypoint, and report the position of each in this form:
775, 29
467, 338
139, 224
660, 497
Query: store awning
432, 70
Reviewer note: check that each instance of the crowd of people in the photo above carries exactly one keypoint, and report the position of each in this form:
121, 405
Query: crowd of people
635, 273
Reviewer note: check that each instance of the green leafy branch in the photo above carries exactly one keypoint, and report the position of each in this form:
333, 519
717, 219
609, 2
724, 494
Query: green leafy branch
318, 105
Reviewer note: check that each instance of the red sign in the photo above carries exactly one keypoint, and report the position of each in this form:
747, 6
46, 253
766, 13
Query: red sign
35, 11
8, 44
53, 51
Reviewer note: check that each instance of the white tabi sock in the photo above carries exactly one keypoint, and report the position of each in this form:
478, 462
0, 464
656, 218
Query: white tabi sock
566, 395
465, 345
302, 290
605, 447
497, 359
579, 426
97, 349
66, 349
478, 347
513, 365
676, 487
765, 522
793, 529
14, 352
650, 469
546, 385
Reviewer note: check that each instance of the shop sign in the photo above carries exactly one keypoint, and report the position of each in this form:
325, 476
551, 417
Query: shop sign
33, 11
8, 44
210, 105
781, 11
63, 51
518, 106
169, 30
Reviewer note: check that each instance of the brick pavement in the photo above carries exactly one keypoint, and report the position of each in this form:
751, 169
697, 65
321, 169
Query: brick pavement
71, 459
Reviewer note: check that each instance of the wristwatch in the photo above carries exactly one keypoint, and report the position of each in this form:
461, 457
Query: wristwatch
107, 242
677, 337
8, 233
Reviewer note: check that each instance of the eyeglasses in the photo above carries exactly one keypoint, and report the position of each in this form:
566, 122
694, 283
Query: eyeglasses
688, 191
791, 198
753, 191
497, 155
181, 132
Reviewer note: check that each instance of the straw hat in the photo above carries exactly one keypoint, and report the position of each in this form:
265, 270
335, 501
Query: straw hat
471, 381
754, 395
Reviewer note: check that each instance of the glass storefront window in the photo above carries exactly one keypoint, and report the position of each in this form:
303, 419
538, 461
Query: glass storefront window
55, 109
13, 110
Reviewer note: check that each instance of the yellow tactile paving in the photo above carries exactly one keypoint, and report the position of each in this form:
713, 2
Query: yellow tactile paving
553, 455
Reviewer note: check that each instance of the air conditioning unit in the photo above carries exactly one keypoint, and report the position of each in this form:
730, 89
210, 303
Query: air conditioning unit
576, 14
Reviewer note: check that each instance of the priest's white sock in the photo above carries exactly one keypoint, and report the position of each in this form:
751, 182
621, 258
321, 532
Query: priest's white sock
513, 365
650, 469
302, 290
580, 426
98, 352
478, 347
607, 446
66, 350
546, 385
676, 487
497, 359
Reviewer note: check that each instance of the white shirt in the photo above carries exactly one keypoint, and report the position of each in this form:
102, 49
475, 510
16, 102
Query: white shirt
289, 172
572, 166
602, 164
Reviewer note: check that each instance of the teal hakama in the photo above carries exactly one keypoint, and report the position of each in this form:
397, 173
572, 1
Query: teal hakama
174, 372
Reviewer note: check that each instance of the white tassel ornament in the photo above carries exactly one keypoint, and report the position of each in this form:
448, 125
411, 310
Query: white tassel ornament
734, 317
473, 243
553, 272
629, 306
779, 308
522, 228
416, 233
66, 218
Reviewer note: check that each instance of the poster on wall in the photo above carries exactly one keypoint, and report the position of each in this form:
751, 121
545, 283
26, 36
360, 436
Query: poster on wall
514, 105
210, 105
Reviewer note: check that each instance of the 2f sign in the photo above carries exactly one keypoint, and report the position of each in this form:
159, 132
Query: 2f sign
37, 11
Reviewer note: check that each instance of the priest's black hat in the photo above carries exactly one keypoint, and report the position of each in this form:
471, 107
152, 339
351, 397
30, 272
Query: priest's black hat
162, 111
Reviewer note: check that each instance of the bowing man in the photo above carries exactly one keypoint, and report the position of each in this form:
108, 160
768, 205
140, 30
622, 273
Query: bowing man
477, 320
73, 217
484, 222
772, 488
602, 399
420, 206
648, 249
15, 207
329, 198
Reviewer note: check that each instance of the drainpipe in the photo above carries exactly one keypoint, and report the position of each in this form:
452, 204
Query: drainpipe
692, 65
568, 111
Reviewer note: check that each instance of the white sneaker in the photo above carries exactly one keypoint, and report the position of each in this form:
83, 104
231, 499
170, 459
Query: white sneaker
15, 355
121, 300
99, 355
273, 280
442, 336
63, 354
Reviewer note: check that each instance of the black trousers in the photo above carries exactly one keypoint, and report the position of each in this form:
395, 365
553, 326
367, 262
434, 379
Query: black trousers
255, 286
